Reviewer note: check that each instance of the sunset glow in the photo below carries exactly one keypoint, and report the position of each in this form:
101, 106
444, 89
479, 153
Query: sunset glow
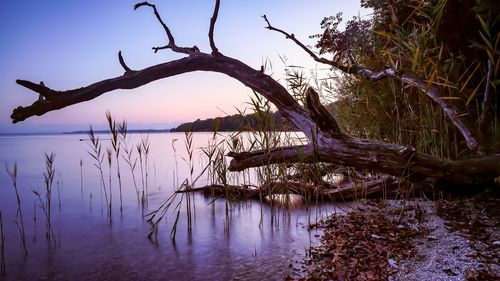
71, 44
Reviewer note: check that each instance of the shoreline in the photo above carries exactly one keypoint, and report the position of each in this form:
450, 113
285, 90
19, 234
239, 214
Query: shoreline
415, 239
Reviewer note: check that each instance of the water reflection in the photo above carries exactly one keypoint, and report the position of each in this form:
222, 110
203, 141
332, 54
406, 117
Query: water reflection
228, 240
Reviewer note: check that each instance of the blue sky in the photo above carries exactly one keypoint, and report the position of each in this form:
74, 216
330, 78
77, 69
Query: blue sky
69, 44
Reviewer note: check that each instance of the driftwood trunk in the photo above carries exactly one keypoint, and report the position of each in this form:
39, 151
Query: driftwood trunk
326, 142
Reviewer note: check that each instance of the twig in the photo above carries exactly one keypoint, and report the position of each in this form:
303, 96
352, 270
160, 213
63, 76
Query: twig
346, 69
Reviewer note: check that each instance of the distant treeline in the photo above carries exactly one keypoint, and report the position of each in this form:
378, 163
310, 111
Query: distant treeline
272, 121
139, 131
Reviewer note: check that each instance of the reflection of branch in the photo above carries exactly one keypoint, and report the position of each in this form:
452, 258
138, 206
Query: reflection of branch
215, 51
171, 41
430, 91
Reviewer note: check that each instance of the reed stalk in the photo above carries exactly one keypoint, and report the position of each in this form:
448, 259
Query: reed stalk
176, 171
127, 155
3, 270
98, 156
19, 213
110, 157
49, 180
140, 153
146, 149
46, 203
189, 149
116, 144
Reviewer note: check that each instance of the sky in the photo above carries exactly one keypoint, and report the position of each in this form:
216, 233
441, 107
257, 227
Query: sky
70, 44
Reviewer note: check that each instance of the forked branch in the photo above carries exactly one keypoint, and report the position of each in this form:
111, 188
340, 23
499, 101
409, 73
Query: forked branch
128, 71
432, 92
346, 69
171, 41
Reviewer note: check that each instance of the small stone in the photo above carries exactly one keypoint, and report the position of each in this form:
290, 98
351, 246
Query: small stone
393, 263
496, 243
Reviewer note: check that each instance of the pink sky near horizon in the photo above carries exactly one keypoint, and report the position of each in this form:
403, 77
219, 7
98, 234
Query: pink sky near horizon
71, 44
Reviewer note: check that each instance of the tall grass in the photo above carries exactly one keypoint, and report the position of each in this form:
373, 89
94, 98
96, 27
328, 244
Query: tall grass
116, 144
176, 200
98, 156
189, 149
19, 213
391, 111
141, 166
110, 159
146, 149
46, 203
128, 156
48, 176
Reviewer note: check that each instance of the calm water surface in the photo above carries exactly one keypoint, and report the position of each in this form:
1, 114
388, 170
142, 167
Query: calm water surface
247, 241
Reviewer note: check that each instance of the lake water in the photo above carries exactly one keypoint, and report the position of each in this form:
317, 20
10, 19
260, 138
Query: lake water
227, 241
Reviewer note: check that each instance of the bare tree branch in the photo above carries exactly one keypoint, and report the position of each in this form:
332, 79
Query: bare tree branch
128, 71
451, 111
327, 143
430, 91
346, 69
250, 77
171, 41
215, 51
40, 88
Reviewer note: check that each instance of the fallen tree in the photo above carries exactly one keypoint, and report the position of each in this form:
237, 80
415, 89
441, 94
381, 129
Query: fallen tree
327, 143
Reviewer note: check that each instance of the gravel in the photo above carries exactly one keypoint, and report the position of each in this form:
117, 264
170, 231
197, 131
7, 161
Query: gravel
441, 255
